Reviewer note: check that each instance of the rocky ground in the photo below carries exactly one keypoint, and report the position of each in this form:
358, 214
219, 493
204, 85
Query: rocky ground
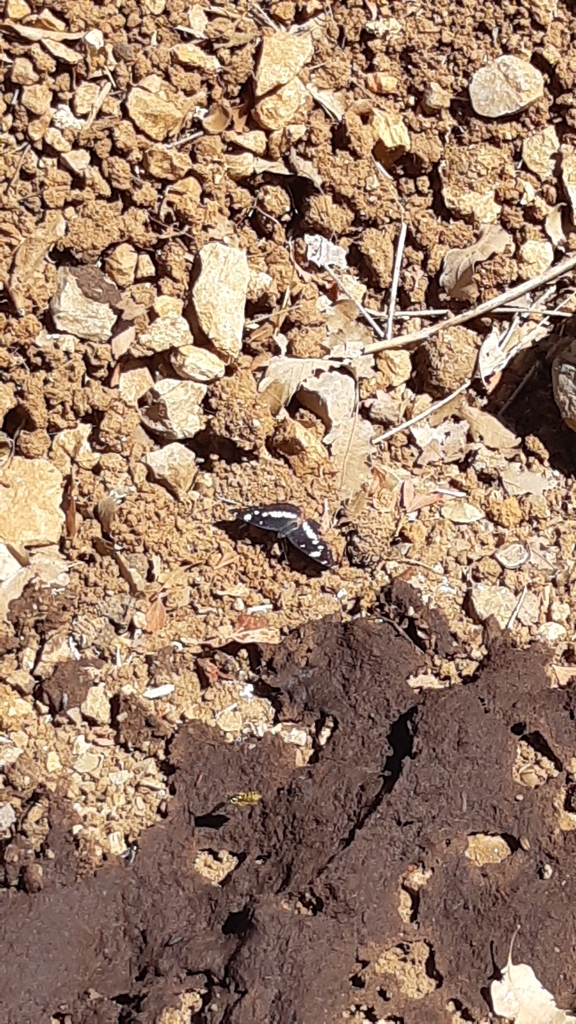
306, 253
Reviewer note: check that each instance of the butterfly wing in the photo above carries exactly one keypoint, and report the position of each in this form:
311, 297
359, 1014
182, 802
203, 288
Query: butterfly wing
307, 539
280, 518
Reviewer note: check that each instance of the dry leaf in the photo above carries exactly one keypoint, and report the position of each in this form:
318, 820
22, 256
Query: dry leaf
333, 102
461, 511
458, 268
413, 502
522, 481
351, 447
106, 509
520, 997
553, 226
156, 615
248, 629
283, 378
305, 169
486, 428
37, 34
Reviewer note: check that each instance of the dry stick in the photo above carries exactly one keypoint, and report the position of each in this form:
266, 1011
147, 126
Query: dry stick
369, 319
471, 314
423, 415
516, 612
396, 279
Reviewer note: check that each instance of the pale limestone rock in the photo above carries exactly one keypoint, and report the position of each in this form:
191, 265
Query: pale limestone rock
36, 99
539, 151
392, 137
283, 107
491, 600
167, 164
168, 305
435, 98
239, 165
56, 140
173, 409
193, 56
16, 10
282, 57
77, 160
381, 84
134, 382
145, 267
194, 363
396, 365
22, 72
219, 296
121, 265
254, 141
505, 86
97, 705
74, 313
85, 97
156, 108
7, 818
535, 257
73, 445
170, 331
22, 681
30, 499
7, 399
173, 466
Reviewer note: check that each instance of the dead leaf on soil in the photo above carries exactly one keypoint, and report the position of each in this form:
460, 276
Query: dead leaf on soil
413, 502
351, 447
121, 342
520, 997
458, 269
323, 253
553, 225
156, 615
333, 102
522, 481
486, 428
284, 376
248, 629
69, 506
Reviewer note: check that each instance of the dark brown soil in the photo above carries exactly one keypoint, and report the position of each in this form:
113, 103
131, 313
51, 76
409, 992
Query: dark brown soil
294, 933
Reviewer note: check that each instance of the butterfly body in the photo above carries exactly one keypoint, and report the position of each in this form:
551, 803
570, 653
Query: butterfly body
288, 522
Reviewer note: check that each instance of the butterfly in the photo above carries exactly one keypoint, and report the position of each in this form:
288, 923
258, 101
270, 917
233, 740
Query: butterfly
288, 522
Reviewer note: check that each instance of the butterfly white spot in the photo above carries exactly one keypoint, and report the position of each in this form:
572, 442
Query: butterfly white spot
247, 516
309, 531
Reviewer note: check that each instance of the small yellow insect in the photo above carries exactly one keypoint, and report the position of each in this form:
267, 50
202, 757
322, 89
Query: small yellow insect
245, 799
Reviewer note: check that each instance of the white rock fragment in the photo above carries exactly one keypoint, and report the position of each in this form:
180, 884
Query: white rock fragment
134, 382
219, 296
491, 600
535, 257
173, 409
170, 331
74, 313
7, 817
282, 57
97, 705
461, 511
194, 363
549, 632
505, 86
77, 160
30, 499
511, 556
157, 692
173, 466
283, 107
156, 108
539, 151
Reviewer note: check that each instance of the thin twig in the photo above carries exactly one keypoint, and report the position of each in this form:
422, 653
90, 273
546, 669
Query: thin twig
408, 314
422, 415
183, 140
16, 174
516, 612
517, 390
485, 307
396, 279
369, 319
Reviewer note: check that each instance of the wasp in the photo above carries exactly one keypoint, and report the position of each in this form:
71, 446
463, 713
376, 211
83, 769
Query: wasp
245, 799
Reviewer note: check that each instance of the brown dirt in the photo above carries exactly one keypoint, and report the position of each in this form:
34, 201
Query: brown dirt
134, 698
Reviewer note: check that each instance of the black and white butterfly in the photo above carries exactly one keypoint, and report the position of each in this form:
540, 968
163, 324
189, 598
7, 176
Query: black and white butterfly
288, 522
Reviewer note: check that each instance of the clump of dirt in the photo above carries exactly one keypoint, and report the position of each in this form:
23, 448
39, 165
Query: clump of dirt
271, 890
